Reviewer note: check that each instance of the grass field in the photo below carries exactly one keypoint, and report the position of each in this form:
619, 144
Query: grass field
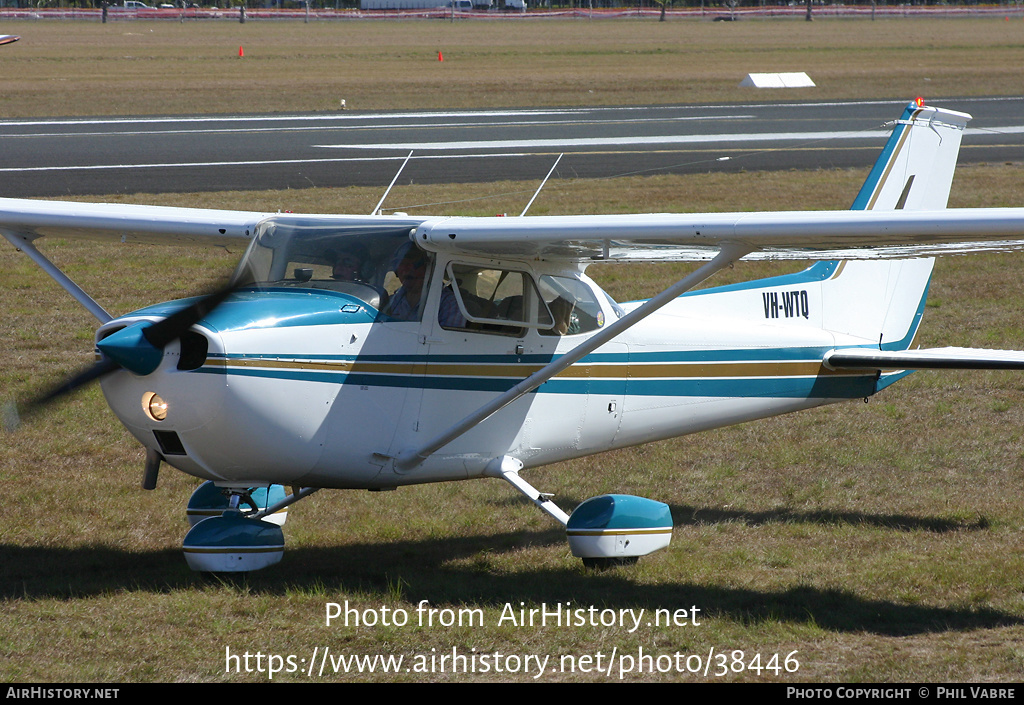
120, 68
865, 542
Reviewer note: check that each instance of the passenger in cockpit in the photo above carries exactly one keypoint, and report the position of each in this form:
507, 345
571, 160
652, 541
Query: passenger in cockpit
348, 263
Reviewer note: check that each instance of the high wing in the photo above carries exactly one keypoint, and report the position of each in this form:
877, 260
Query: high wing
651, 237
27, 219
769, 235
24, 221
899, 213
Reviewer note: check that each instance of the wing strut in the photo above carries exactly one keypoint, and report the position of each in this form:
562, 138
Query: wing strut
537, 192
376, 208
25, 245
730, 252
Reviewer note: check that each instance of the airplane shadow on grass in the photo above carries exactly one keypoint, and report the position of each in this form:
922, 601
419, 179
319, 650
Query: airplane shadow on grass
455, 571
688, 515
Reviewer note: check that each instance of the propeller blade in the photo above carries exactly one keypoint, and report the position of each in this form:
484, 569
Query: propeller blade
14, 413
178, 323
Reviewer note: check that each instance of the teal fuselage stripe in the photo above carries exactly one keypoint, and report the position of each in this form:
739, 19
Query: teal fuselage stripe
795, 386
817, 272
834, 387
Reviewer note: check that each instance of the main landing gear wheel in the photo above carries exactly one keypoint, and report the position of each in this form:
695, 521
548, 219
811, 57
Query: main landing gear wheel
606, 531
615, 530
231, 543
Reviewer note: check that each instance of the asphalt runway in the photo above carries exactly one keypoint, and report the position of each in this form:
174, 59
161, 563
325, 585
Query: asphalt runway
88, 156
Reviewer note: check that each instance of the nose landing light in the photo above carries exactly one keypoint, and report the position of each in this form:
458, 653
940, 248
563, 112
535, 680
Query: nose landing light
154, 406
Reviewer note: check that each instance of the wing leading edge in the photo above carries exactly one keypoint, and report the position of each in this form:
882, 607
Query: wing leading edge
655, 237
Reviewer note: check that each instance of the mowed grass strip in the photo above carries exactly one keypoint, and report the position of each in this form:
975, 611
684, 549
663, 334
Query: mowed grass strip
158, 67
877, 541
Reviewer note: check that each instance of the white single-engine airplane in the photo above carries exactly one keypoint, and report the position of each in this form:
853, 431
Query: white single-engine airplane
371, 352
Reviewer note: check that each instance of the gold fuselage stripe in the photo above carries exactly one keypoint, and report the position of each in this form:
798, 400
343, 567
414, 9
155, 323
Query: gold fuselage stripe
617, 532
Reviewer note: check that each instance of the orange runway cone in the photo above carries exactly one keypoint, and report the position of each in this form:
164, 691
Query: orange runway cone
440, 56
240, 53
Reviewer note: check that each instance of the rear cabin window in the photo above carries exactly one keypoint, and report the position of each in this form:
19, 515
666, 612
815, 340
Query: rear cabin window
573, 306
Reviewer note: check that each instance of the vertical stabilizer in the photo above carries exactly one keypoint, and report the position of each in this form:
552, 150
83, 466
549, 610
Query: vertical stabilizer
915, 169
885, 299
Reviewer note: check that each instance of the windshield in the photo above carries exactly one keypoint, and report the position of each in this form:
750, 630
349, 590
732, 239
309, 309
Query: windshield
355, 256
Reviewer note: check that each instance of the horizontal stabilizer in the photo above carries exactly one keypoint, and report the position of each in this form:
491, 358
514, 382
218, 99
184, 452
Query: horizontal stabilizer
930, 359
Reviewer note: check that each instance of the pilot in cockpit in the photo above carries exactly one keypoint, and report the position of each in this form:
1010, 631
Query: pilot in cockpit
411, 271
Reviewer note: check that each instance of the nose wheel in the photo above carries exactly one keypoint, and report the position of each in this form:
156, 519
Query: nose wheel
237, 529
